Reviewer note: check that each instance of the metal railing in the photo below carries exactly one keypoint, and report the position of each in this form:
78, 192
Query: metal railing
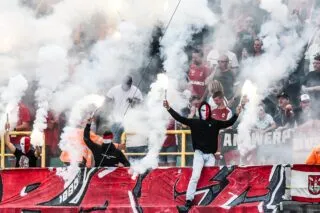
182, 154
3, 153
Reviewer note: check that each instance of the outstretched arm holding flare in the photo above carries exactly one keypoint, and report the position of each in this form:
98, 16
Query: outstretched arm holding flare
175, 115
10, 145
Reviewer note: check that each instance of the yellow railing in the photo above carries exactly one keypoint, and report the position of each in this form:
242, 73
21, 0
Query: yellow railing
183, 152
4, 155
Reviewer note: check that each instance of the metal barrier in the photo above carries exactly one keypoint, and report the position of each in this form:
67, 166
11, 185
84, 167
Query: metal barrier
3, 149
183, 152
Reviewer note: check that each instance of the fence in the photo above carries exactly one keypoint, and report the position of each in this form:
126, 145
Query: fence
3, 153
183, 153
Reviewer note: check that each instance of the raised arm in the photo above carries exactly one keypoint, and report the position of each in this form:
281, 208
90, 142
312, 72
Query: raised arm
10, 145
231, 121
86, 137
176, 115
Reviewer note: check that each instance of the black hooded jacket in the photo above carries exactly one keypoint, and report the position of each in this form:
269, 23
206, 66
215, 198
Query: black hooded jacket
204, 133
108, 152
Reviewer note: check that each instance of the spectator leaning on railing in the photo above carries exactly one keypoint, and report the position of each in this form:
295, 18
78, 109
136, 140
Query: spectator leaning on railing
284, 117
265, 122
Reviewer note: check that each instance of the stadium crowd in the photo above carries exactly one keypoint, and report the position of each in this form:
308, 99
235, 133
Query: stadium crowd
213, 76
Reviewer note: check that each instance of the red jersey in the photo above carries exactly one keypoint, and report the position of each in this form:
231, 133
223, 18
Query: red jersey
197, 77
221, 114
52, 134
23, 116
171, 140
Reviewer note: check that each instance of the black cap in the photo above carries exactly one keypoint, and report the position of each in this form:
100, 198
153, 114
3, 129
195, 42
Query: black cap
283, 95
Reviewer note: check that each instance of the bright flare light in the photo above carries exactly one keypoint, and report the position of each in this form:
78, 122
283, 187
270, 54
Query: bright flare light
249, 90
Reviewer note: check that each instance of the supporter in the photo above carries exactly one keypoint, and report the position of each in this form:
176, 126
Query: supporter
221, 112
314, 156
311, 84
23, 124
213, 87
204, 133
284, 117
197, 74
169, 145
305, 112
224, 75
190, 112
86, 158
105, 154
25, 155
246, 36
313, 46
213, 58
51, 135
254, 50
123, 97
192, 109
265, 122
244, 55
257, 47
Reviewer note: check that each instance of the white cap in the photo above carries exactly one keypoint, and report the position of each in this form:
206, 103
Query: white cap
304, 97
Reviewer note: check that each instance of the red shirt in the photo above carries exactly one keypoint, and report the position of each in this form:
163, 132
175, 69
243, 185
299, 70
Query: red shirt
171, 139
52, 134
197, 77
23, 116
221, 114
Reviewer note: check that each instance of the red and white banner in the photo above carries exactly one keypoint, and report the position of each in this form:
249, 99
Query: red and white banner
305, 183
220, 189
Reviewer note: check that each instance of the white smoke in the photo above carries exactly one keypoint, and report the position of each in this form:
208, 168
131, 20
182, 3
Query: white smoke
283, 47
80, 112
10, 99
51, 72
185, 22
83, 107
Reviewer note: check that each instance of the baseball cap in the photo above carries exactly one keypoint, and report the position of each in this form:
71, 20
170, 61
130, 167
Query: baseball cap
304, 97
283, 95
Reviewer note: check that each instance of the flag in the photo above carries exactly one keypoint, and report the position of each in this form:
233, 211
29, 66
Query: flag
305, 183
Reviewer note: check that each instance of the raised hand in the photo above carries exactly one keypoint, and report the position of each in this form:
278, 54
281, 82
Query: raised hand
166, 104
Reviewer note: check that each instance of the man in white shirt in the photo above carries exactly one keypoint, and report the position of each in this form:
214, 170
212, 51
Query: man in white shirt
214, 55
123, 97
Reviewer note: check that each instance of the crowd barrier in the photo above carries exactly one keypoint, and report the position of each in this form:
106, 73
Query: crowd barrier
183, 153
291, 146
288, 146
220, 189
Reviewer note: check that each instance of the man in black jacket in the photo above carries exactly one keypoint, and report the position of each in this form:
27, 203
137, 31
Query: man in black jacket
106, 154
204, 134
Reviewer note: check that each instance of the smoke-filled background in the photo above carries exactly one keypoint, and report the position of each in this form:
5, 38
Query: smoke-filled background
63, 56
